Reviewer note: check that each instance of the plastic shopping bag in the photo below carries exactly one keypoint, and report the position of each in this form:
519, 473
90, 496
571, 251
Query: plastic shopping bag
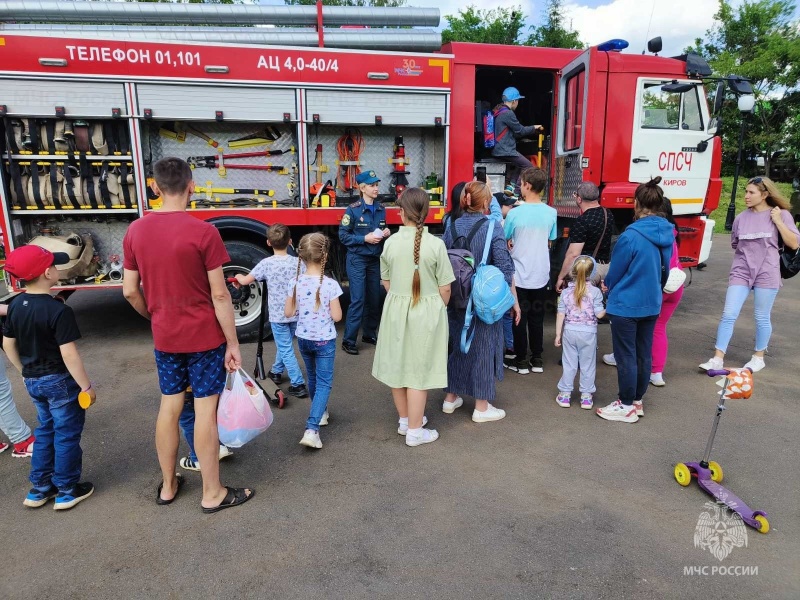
243, 411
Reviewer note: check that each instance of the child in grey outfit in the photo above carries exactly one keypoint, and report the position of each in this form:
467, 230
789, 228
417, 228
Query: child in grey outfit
579, 307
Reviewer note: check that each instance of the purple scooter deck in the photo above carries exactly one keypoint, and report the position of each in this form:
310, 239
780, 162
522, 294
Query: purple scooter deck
723, 495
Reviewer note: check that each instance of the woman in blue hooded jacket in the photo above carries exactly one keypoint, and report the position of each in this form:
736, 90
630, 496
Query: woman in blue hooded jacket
635, 283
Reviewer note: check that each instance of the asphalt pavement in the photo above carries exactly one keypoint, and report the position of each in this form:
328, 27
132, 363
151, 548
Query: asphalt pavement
548, 503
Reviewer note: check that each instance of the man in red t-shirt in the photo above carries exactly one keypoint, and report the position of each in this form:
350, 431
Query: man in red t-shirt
178, 260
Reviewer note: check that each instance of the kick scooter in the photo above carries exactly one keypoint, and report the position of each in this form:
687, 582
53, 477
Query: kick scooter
277, 397
738, 384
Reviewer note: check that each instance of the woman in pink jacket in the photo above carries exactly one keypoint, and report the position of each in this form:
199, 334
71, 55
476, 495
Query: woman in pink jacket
669, 303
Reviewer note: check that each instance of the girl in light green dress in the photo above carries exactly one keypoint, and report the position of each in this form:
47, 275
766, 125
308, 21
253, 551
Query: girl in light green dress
411, 356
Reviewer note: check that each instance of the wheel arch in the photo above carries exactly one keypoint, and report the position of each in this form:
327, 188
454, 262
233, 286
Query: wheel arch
241, 229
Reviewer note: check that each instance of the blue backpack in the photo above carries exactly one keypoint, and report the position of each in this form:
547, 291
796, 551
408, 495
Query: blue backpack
491, 296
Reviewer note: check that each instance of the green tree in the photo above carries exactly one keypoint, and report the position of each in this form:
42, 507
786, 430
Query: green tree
495, 26
759, 41
553, 34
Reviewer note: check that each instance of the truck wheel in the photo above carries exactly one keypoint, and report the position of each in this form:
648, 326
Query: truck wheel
246, 299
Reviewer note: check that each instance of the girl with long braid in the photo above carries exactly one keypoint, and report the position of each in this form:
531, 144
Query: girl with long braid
315, 301
411, 356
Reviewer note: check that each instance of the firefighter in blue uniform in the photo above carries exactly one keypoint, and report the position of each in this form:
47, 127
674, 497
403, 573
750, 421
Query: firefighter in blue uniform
361, 223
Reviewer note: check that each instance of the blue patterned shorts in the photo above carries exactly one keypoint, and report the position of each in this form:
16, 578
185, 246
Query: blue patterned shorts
204, 371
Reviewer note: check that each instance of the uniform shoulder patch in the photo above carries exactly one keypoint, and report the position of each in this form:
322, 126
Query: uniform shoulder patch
346, 219
356, 204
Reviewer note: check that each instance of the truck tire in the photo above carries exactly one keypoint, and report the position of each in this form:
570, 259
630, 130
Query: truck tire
246, 300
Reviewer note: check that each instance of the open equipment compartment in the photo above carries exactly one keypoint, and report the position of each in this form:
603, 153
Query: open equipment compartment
398, 134
374, 148
68, 173
240, 141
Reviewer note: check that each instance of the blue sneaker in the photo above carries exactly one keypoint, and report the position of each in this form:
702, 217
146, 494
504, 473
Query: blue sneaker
36, 498
66, 500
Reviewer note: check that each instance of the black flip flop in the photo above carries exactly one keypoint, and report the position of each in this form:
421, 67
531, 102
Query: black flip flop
159, 500
234, 497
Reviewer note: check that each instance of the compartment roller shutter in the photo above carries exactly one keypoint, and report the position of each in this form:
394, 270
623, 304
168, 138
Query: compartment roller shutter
361, 108
199, 102
39, 98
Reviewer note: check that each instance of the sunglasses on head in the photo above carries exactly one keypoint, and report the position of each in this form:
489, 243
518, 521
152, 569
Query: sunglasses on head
756, 180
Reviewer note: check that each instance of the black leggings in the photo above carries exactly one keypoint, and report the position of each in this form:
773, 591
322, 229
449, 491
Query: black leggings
532, 304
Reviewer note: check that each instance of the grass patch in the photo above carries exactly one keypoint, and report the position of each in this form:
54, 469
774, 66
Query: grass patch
725, 198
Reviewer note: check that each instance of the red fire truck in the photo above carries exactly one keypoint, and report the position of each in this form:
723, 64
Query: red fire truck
277, 133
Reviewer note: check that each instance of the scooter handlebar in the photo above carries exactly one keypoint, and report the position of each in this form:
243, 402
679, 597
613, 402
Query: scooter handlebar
718, 372
724, 372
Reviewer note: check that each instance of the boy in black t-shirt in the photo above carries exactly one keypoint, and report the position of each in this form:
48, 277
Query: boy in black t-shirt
39, 338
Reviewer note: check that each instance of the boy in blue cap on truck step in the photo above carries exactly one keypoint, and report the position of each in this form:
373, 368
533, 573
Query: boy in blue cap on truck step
507, 130
363, 230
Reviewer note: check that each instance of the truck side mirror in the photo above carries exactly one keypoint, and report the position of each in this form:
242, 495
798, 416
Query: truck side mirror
719, 98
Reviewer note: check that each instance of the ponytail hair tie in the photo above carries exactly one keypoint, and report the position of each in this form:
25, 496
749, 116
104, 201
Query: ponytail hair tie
591, 258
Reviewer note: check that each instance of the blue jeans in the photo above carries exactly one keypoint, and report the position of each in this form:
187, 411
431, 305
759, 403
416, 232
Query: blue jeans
632, 338
283, 333
10, 422
508, 330
364, 273
186, 421
318, 357
57, 453
734, 300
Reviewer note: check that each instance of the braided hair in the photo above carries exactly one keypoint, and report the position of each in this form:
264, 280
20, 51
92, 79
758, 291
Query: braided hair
313, 249
415, 205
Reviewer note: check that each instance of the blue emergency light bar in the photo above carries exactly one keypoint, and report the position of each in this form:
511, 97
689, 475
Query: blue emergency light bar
613, 45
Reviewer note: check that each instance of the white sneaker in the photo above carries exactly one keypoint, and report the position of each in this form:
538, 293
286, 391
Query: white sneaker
639, 407
657, 379
450, 407
490, 414
755, 364
426, 437
311, 439
609, 359
224, 451
617, 411
713, 364
402, 428
324, 420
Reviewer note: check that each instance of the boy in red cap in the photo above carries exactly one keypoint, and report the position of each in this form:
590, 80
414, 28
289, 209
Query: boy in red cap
39, 338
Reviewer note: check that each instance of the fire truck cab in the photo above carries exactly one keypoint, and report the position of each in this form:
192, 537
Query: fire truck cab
611, 118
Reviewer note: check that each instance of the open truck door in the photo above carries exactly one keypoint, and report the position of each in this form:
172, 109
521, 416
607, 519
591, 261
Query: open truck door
670, 122
574, 113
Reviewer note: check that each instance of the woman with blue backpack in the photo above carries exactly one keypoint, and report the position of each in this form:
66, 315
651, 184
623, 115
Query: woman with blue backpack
476, 357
